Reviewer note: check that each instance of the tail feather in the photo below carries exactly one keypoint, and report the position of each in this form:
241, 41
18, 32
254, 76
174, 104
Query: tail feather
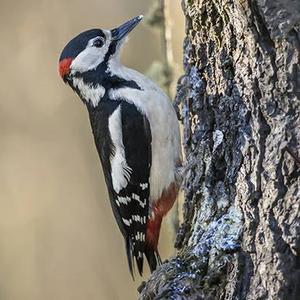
153, 258
140, 263
134, 255
142, 239
129, 255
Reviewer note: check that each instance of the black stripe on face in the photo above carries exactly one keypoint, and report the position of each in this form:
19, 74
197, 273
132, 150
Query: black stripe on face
111, 50
79, 43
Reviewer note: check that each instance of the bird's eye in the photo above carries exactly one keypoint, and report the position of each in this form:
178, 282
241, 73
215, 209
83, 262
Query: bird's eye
98, 42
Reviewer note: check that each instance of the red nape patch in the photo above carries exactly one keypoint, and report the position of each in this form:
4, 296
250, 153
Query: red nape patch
64, 66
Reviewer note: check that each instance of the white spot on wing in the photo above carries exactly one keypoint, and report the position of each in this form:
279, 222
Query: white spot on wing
144, 186
126, 222
120, 171
123, 200
140, 236
137, 198
137, 218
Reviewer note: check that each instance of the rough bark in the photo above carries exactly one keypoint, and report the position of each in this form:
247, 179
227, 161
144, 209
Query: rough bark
240, 107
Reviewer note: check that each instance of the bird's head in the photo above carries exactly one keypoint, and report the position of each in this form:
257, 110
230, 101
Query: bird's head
93, 48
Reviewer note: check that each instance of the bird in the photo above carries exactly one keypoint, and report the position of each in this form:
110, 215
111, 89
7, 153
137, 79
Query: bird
136, 133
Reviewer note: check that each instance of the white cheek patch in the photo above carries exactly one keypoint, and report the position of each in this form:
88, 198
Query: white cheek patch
120, 171
88, 59
91, 56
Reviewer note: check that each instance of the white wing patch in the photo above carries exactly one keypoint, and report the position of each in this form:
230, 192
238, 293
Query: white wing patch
120, 171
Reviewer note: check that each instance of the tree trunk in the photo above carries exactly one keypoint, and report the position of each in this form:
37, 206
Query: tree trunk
240, 109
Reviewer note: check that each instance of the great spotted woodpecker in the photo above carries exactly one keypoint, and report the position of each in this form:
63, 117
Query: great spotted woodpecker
136, 133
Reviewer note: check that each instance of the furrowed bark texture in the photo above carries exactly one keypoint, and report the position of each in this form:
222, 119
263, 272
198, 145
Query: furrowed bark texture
240, 109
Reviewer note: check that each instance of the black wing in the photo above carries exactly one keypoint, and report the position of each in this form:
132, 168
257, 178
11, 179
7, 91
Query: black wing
130, 204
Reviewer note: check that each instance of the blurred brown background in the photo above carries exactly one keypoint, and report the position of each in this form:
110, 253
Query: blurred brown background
58, 238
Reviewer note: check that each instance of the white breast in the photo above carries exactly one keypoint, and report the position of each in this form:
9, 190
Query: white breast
153, 102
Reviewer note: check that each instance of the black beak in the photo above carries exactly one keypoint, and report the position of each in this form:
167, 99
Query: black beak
120, 32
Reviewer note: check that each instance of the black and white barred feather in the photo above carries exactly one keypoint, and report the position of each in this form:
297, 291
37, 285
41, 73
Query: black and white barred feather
130, 202
136, 134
